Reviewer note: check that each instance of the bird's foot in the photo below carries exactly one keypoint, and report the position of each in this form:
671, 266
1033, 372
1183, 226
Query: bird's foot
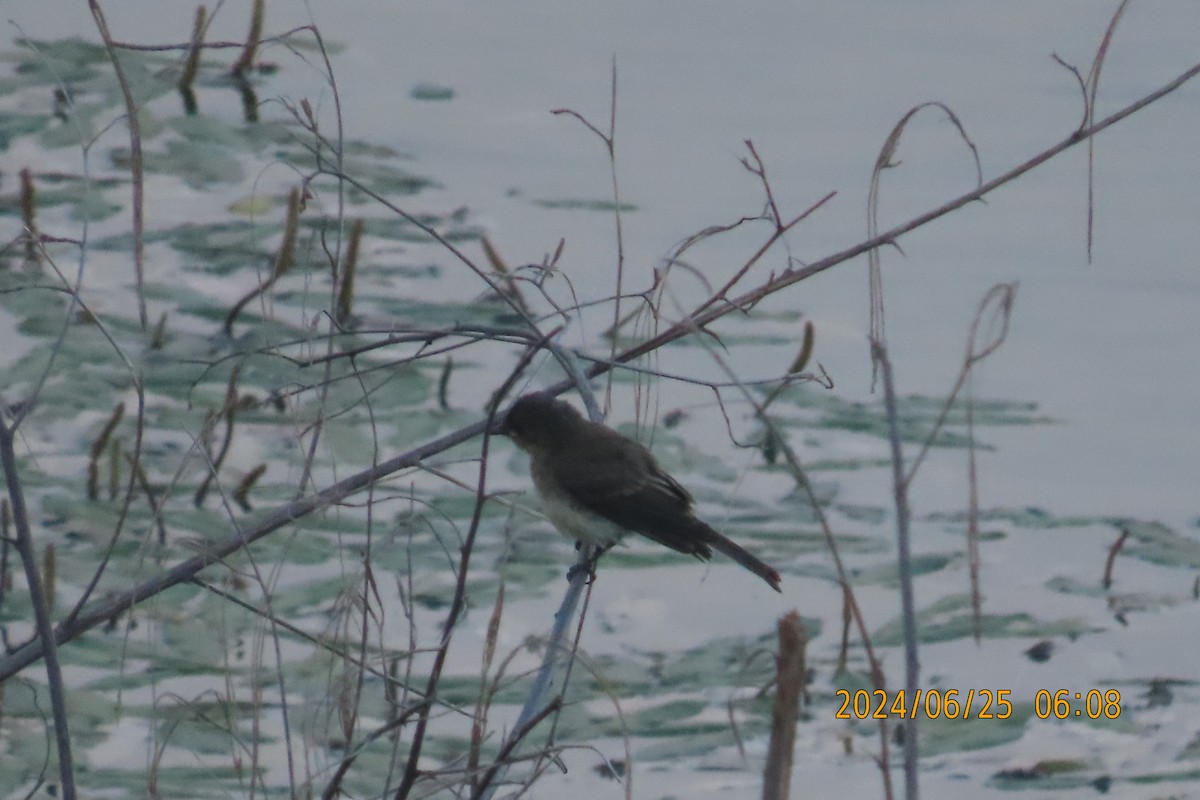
588, 565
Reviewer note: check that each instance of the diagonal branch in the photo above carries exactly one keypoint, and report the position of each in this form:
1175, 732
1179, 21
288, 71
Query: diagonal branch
102, 610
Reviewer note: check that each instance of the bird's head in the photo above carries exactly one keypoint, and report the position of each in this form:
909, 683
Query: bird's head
539, 422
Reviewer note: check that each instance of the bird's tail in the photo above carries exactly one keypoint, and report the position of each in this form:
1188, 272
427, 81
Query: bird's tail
744, 557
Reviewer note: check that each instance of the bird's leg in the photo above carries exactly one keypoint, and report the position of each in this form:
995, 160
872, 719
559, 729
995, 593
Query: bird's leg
590, 563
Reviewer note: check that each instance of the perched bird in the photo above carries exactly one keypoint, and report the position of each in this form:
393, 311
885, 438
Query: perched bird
597, 485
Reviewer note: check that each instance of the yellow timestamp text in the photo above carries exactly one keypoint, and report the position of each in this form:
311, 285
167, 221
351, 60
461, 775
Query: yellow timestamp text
929, 703
975, 704
1068, 704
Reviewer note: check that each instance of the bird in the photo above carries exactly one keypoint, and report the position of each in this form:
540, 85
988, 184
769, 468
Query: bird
597, 485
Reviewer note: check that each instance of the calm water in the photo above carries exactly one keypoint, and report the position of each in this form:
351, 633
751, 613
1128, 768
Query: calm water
1106, 349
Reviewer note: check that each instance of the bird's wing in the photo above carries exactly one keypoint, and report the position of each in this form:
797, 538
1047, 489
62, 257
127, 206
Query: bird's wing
640, 496
632, 491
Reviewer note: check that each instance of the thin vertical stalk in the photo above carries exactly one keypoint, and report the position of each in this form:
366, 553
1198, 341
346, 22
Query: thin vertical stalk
912, 666
41, 613
136, 171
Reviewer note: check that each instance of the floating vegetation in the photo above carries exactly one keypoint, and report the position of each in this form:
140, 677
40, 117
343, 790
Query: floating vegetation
309, 329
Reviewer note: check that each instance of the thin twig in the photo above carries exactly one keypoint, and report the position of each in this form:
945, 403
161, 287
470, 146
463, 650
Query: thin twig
457, 603
102, 610
1093, 87
908, 613
882, 162
23, 543
136, 170
1002, 296
610, 144
851, 610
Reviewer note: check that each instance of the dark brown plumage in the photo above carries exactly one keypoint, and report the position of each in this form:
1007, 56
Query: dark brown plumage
597, 485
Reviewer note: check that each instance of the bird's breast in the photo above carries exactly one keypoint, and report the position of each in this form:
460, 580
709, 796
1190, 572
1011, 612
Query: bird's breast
571, 519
